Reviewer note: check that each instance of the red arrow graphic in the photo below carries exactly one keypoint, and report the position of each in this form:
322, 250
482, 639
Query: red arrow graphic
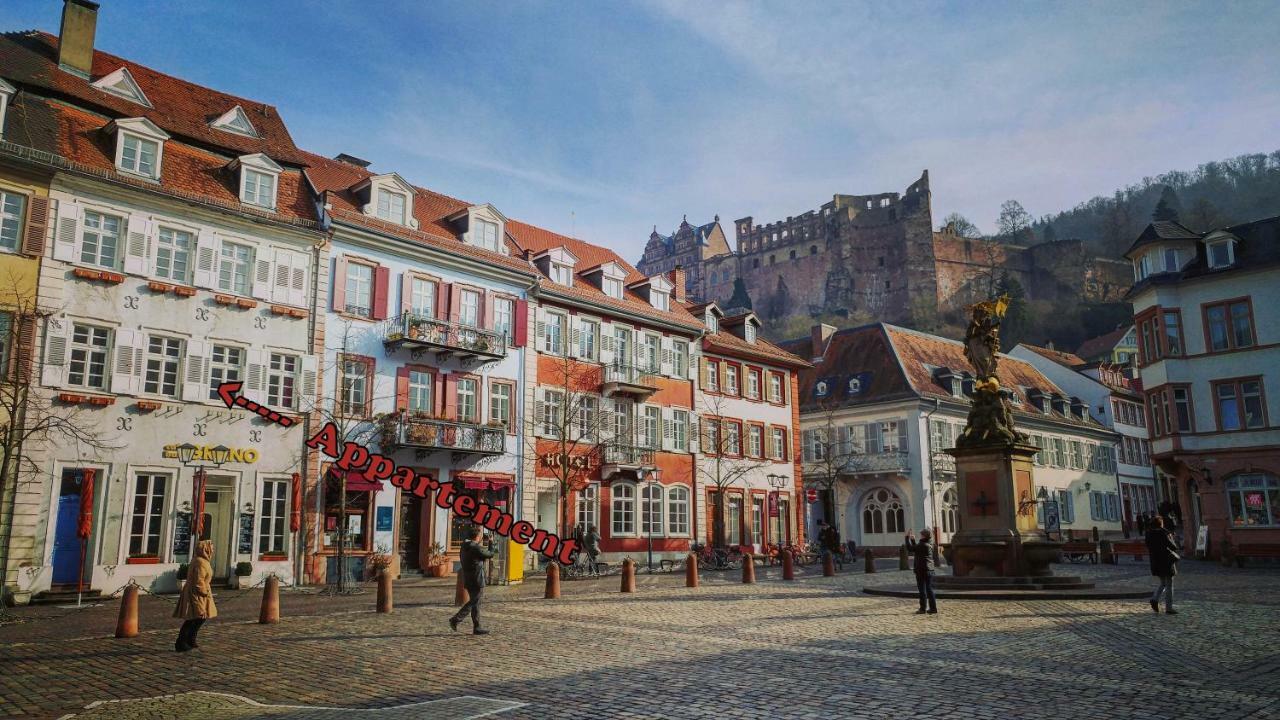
227, 391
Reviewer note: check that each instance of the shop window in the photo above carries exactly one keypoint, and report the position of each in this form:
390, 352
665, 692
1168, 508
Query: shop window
148, 513
1254, 499
271, 517
347, 516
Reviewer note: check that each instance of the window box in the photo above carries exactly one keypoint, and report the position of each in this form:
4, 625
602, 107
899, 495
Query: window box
288, 311
157, 286
113, 278
273, 557
143, 560
246, 304
148, 405
184, 291
90, 274
72, 398
224, 299
101, 400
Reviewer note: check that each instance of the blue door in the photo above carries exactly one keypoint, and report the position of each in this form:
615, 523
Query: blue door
66, 545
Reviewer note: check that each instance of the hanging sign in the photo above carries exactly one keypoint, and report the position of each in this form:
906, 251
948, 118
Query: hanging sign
205, 452
811, 495
773, 505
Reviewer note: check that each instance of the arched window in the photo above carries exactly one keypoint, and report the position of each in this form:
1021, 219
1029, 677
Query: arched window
1254, 499
882, 515
624, 509
677, 510
949, 511
651, 509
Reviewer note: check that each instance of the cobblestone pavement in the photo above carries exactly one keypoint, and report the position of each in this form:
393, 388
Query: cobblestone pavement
815, 648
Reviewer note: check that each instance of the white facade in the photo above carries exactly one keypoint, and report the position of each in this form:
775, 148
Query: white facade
155, 301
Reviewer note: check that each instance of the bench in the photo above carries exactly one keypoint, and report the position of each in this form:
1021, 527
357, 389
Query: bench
1136, 548
1254, 550
1078, 551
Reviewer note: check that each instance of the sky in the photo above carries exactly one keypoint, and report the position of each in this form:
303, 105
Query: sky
603, 119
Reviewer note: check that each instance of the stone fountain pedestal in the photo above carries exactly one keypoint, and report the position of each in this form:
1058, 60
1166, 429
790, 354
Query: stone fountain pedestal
998, 537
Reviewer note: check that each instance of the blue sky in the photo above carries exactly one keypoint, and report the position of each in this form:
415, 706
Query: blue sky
602, 119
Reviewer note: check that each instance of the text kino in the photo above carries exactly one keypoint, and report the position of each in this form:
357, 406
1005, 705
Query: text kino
205, 452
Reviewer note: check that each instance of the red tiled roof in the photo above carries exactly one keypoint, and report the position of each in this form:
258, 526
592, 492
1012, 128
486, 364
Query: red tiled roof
762, 350
183, 109
1103, 344
191, 173
1064, 359
856, 351
916, 349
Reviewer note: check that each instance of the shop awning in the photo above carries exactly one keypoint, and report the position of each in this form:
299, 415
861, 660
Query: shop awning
481, 482
357, 482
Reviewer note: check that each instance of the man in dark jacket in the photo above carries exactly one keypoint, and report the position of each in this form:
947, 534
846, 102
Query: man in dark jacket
922, 551
1164, 563
474, 557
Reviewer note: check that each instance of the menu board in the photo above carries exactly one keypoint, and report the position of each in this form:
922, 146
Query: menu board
245, 544
182, 535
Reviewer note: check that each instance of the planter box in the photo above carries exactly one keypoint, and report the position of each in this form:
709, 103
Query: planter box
148, 405
142, 561
70, 398
246, 304
183, 291
101, 400
157, 286
224, 299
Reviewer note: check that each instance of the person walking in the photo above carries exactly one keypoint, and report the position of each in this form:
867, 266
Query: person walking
922, 551
195, 602
1164, 563
474, 557
824, 539
591, 543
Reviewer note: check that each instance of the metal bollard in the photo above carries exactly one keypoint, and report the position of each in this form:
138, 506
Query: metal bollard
553, 582
270, 602
788, 565
748, 569
902, 558
460, 595
127, 622
691, 571
871, 561
628, 575
384, 592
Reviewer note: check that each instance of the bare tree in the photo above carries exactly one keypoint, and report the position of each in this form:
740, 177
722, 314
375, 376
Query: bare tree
828, 452
1014, 223
724, 461
30, 419
961, 226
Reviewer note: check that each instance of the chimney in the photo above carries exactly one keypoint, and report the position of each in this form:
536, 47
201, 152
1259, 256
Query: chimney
678, 280
352, 160
75, 37
818, 337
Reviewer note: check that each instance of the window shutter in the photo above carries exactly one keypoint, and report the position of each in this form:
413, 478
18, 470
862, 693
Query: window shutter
206, 274
664, 356
575, 338
539, 412
455, 302
256, 375
902, 437
298, 291
845, 433
339, 294
873, 438
290, 280
57, 334
521, 322
137, 250
37, 223
195, 382
381, 288
606, 343
310, 364
451, 397
24, 349
406, 292
444, 292
402, 387
692, 433
124, 369
486, 311
262, 274
64, 239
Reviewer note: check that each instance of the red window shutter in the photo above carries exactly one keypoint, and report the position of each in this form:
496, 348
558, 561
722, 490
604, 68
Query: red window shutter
37, 219
450, 398
339, 303
406, 292
381, 283
455, 302
486, 310
402, 388
521, 321
443, 292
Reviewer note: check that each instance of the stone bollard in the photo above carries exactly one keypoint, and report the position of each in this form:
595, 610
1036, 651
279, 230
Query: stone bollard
788, 565
828, 565
902, 558
748, 569
553, 582
384, 592
691, 571
871, 561
270, 612
127, 623
628, 575
460, 595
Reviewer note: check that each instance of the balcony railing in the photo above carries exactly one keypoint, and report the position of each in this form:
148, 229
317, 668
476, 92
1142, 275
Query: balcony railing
443, 336
437, 434
626, 455
881, 462
944, 463
629, 380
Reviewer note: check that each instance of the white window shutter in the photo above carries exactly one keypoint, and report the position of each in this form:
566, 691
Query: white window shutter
67, 232
282, 276
256, 375
606, 343
694, 362
902, 437
262, 274
310, 369
298, 282
57, 334
664, 357
692, 433
137, 246
124, 368
206, 274
195, 382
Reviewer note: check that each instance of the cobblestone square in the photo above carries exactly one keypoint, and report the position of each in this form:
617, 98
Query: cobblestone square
815, 648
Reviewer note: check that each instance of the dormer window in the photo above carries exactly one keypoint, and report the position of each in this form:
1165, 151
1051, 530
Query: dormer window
259, 177
388, 198
486, 234
1221, 253
121, 84
749, 333
612, 287
1171, 258
7, 92
713, 323
660, 300
481, 226
391, 206
235, 120
562, 274
139, 147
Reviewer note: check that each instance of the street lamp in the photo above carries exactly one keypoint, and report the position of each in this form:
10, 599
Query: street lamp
648, 475
778, 482
187, 455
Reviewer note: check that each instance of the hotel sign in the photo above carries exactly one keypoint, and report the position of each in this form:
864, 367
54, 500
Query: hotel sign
247, 456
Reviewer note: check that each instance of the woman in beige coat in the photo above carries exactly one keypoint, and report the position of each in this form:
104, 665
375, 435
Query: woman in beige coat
195, 602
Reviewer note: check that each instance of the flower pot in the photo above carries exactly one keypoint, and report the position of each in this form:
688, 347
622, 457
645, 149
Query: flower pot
438, 570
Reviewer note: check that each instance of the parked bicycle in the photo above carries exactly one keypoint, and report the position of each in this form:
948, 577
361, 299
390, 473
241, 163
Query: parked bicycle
711, 558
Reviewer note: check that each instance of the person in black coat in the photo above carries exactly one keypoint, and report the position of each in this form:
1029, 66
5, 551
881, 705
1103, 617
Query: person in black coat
1164, 563
922, 551
474, 557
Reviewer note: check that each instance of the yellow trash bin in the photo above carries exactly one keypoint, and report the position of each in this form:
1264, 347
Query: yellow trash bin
515, 562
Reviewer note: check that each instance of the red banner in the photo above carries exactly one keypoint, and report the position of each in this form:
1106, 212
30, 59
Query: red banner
84, 526
773, 504
295, 512
197, 505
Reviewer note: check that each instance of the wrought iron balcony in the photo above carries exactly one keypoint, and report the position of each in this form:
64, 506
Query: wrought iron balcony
881, 462
617, 458
435, 434
629, 380
944, 463
443, 337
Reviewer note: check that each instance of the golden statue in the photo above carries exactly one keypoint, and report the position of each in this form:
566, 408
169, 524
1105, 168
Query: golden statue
990, 419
